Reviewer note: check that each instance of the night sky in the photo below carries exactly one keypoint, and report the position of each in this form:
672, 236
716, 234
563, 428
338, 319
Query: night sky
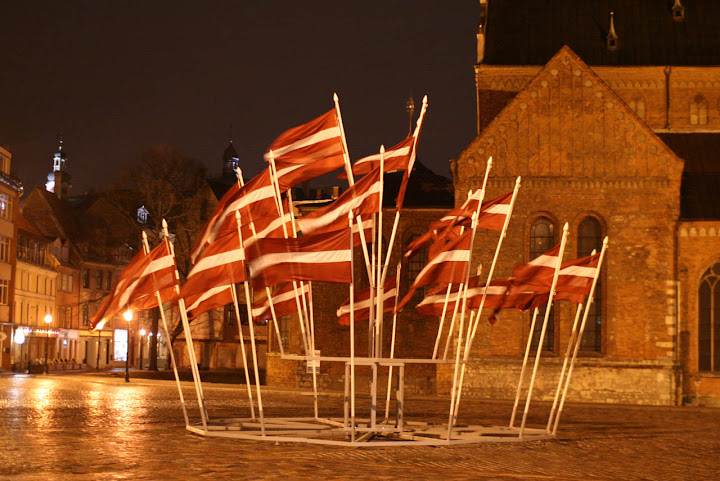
115, 77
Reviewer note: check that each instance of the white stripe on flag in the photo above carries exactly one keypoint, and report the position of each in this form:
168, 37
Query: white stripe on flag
267, 230
326, 257
449, 256
388, 155
578, 271
544, 261
497, 209
285, 296
312, 224
236, 255
156, 265
207, 295
364, 304
315, 138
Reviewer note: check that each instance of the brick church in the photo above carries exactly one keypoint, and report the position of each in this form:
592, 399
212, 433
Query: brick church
612, 118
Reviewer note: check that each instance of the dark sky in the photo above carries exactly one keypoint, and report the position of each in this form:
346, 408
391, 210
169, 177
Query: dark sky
118, 76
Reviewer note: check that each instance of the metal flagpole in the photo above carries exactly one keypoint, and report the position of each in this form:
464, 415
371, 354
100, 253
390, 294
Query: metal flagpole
524, 364
442, 321
352, 333
267, 289
242, 349
589, 302
251, 325
392, 341
188, 336
146, 247
544, 327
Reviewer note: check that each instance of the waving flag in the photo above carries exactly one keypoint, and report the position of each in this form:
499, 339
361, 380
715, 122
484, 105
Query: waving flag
362, 303
364, 197
307, 151
283, 302
316, 257
434, 301
137, 284
395, 159
208, 300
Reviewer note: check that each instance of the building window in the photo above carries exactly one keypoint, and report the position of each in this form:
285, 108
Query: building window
3, 292
4, 249
142, 215
85, 318
414, 265
86, 278
108, 280
699, 111
70, 283
709, 320
99, 279
590, 238
542, 239
6, 203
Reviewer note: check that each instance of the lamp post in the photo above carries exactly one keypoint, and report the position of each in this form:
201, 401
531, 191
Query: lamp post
48, 321
142, 341
128, 317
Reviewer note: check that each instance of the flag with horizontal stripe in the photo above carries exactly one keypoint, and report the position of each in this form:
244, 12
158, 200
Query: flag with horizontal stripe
325, 256
362, 303
400, 199
434, 301
307, 151
213, 298
137, 284
396, 158
284, 302
256, 196
364, 197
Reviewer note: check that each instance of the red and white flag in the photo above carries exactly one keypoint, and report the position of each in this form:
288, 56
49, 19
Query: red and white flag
362, 303
362, 198
137, 284
395, 159
539, 271
447, 267
307, 151
222, 263
316, 257
256, 195
208, 300
576, 277
434, 301
283, 302
411, 161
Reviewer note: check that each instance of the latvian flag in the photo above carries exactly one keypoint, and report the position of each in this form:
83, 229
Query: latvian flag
362, 303
137, 284
256, 195
539, 271
395, 159
362, 198
208, 284
310, 150
434, 301
447, 267
316, 257
283, 302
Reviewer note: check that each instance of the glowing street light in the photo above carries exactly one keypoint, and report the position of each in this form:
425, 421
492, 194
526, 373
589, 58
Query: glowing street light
48, 321
142, 341
128, 317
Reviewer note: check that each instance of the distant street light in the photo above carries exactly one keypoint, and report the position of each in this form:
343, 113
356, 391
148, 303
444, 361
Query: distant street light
128, 317
48, 321
142, 341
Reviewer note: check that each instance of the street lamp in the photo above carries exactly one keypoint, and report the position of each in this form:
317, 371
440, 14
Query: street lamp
142, 341
48, 321
128, 317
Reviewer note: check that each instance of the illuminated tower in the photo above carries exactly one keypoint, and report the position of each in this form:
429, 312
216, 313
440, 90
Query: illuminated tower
58, 181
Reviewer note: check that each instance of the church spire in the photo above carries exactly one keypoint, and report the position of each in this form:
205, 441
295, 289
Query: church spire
58, 181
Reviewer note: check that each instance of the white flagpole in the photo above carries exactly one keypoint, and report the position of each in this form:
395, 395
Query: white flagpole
571, 341
544, 327
392, 341
188, 336
240, 334
352, 333
473, 327
267, 289
451, 329
146, 248
589, 302
251, 325
380, 302
442, 321
524, 364
411, 164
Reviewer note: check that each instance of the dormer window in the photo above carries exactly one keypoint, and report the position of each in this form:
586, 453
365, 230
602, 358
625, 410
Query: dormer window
142, 215
678, 11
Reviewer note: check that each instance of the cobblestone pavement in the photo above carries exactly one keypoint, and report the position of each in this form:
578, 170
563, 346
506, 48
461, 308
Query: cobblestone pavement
93, 427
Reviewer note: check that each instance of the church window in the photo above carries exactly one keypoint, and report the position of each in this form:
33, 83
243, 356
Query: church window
699, 111
709, 320
590, 238
542, 239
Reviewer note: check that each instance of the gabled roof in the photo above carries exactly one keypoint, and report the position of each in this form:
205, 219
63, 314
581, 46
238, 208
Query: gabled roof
529, 32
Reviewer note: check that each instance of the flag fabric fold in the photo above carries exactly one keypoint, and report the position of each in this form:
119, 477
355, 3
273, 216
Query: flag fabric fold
362, 303
434, 301
307, 151
316, 257
283, 302
395, 159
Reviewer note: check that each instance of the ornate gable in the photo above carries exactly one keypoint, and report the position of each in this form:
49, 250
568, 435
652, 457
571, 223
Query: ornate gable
567, 123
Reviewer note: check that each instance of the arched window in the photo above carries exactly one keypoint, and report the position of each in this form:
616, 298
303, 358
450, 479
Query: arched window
637, 104
709, 320
542, 239
590, 237
699, 111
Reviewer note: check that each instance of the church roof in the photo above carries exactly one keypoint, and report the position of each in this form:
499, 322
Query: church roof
529, 32
230, 153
